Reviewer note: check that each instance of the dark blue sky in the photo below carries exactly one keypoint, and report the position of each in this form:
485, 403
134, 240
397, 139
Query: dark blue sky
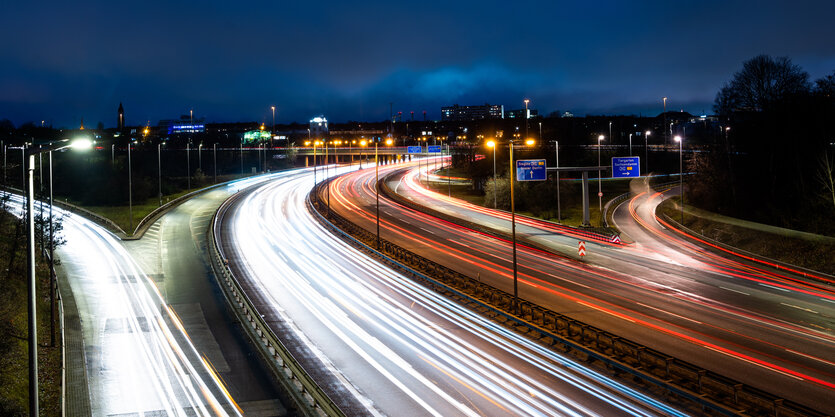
230, 61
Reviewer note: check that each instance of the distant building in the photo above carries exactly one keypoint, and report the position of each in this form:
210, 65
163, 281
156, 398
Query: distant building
121, 123
567, 114
520, 114
182, 125
318, 127
469, 113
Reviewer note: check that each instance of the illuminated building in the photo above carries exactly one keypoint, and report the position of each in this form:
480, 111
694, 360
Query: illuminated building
468, 113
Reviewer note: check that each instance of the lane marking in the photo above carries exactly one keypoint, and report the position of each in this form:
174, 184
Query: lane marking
672, 314
604, 311
811, 357
732, 290
800, 308
755, 363
773, 287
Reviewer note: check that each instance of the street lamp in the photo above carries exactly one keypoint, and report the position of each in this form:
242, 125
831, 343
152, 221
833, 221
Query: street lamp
159, 171
680, 141
200, 156
363, 144
272, 132
630, 144
526, 117
646, 151
528, 142
130, 190
492, 144
188, 164
377, 187
599, 183
557, 163
315, 143
77, 144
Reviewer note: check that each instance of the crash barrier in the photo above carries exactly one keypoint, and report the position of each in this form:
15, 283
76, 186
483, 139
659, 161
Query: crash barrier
682, 383
309, 398
690, 234
399, 199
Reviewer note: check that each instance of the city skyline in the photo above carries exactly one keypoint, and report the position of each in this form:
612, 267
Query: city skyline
350, 61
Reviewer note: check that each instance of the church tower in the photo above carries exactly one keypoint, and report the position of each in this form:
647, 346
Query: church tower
121, 124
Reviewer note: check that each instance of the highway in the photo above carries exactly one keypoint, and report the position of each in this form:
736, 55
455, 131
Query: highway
138, 357
378, 343
173, 251
766, 328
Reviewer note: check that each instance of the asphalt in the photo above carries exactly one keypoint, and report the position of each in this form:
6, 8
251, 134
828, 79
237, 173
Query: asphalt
378, 343
774, 338
174, 250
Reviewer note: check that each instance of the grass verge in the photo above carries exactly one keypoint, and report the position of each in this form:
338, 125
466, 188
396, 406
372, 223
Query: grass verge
14, 359
801, 252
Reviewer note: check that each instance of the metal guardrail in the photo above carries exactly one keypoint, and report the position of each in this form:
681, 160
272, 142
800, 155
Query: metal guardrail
391, 194
680, 381
806, 272
310, 399
151, 217
72, 208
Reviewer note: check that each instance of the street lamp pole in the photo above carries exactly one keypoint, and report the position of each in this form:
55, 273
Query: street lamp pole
188, 165
31, 284
646, 151
599, 175
33, 324
327, 161
200, 156
159, 172
492, 144
557, 162
214, 149
377, 189
130, 191
513, 232
51, 262
680, 141
526, 119
630, 144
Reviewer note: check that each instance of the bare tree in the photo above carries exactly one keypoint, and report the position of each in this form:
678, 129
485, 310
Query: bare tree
761, 82
826, 176
825, 86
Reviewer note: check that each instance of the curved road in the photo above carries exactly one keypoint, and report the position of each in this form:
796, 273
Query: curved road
380, 344
765, 328
139, 359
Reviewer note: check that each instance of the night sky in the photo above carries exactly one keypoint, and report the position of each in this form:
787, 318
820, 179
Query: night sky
230, 61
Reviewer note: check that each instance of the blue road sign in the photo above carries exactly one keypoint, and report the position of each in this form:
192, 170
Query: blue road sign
415, 149
531, 170
434, 148
626, 167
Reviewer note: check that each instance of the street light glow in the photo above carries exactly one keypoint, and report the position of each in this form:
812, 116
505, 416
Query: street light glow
491, 144
363, 143
677, 138
81, 144
529, 142
389, 142
647, 133
600, 138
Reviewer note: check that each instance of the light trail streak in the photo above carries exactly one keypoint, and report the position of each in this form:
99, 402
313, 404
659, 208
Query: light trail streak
355, 309
356, 187
146, 364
